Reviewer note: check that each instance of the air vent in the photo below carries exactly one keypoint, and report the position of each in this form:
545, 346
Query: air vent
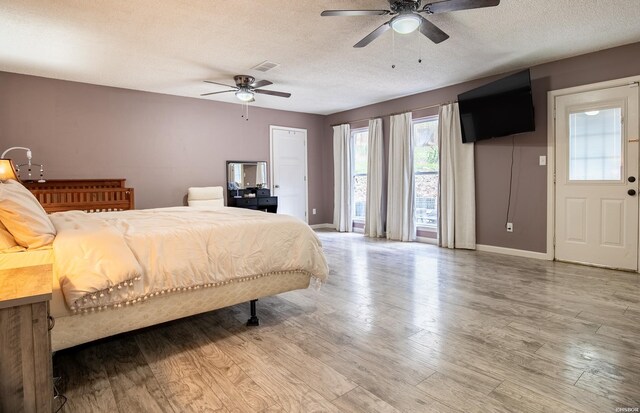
265, 66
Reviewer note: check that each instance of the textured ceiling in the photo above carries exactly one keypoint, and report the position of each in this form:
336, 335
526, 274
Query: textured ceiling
170, 46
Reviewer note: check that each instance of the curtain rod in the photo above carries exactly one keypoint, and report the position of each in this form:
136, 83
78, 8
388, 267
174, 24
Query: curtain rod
393, 114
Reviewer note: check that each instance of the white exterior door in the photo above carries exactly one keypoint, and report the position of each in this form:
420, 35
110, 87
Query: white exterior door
597, 177
289, 170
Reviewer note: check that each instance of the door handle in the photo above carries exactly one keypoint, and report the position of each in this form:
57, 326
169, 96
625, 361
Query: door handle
277, 186
631, 179
631, 192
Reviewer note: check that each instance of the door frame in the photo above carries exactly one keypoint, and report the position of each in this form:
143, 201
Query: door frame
551, 150
306, 164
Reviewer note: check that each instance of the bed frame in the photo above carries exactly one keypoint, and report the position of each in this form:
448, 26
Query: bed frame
101, 195
90, 195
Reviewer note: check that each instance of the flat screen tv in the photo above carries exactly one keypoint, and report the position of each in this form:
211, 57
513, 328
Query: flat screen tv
500, 108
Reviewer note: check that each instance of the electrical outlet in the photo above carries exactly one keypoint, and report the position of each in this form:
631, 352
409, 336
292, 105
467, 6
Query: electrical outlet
313, 211
543, 160
509, 226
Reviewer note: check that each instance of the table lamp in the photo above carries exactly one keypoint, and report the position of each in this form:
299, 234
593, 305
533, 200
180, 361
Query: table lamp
7, 171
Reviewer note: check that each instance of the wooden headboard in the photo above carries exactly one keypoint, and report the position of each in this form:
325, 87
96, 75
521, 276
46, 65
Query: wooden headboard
91, 195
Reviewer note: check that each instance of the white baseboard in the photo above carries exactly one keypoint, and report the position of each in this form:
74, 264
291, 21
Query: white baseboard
427, 240
512, 251
320, 226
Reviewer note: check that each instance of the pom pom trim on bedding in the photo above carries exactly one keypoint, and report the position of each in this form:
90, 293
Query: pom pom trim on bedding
97, 302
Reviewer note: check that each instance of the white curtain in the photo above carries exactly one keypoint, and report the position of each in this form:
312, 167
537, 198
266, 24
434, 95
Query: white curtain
342, 178
401, 183
457, 208
374, 218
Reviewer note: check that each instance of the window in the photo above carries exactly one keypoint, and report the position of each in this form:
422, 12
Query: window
425, 162
595, 145
359, 142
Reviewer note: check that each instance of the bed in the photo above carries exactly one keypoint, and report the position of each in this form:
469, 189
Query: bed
120, 271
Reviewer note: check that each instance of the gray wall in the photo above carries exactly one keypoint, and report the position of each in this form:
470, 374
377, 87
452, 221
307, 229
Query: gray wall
161, 144
164, 144
493, 157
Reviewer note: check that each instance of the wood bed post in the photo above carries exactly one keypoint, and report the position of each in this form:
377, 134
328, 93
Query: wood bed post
253, 321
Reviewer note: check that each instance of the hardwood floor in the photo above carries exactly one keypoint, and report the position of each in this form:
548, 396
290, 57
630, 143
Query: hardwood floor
400, 327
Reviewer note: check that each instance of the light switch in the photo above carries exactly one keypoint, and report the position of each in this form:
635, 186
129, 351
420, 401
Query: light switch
543, 160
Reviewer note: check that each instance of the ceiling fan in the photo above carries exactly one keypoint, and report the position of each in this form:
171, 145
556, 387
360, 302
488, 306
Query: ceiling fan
246, 87
407, 17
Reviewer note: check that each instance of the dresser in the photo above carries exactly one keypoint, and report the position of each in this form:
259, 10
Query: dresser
26, 384
253, 198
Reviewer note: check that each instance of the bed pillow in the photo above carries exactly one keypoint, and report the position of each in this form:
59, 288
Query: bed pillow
24, 217
6, 239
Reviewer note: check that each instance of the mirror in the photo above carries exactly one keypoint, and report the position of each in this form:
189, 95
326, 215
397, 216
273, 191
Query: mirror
246, 174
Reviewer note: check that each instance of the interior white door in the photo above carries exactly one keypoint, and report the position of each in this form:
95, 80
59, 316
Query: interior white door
596, 217
289, 170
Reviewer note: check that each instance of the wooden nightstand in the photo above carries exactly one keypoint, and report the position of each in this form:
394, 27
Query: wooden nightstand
25, 345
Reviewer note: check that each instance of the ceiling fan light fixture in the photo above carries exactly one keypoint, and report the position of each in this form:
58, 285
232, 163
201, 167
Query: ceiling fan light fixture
244, 95
405, 23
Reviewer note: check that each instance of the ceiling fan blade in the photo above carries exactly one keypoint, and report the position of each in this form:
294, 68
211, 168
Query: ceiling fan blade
215, 93
453, 5
355, 12
273, 93
373, 35
432, 31
216, 83
261, 83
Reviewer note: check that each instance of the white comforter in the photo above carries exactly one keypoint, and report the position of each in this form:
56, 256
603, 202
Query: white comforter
118, 258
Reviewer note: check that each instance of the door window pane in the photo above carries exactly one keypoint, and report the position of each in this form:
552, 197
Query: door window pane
360, 138
425, 158
595, 145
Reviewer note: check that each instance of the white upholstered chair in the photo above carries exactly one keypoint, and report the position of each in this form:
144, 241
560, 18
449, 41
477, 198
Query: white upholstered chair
209, 196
